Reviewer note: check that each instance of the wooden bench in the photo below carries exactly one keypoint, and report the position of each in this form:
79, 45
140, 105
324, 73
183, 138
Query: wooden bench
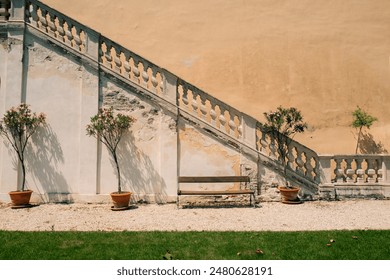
216, 179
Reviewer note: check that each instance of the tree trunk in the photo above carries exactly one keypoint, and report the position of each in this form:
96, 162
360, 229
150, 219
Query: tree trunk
358, 140
23, 175
118, 171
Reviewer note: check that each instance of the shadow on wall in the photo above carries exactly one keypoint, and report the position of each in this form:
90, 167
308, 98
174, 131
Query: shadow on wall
368, 145
43, 161
138, 172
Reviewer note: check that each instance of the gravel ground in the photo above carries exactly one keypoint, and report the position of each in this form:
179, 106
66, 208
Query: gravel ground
318, 215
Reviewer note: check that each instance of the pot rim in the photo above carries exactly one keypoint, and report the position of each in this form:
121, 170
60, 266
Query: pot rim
20, 191
284, 188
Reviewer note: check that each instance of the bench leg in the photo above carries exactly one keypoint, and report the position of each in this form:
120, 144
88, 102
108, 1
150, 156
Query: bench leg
254, 200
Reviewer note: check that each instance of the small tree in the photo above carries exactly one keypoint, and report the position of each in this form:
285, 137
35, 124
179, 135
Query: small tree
109, 129
282, 125
17, 126
361, 119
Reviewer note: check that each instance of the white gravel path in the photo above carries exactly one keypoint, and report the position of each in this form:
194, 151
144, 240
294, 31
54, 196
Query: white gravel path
318, 215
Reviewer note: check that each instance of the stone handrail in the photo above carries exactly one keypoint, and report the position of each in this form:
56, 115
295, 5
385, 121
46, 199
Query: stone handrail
131, 66
211, 110
56, 25
355, 169
300, 159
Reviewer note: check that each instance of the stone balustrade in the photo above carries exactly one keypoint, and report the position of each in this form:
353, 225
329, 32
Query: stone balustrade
355, 169
212, 111
131, 66
300, 159
56, 25
4, 9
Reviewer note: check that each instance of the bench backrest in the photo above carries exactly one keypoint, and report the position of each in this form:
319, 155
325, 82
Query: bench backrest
213, 179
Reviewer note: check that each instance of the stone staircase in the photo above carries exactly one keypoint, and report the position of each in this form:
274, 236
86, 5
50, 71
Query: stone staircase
321, 176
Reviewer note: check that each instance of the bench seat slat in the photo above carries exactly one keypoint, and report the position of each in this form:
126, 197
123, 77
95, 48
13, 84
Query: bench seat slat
211, 192
213, 179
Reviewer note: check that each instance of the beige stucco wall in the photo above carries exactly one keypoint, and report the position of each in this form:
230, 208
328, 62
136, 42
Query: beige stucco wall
324, 57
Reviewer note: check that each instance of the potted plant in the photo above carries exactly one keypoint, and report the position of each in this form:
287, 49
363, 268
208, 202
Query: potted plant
282, 125
108, 128
17, 126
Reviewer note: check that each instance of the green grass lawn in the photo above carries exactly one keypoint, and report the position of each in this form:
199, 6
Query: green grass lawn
346, 245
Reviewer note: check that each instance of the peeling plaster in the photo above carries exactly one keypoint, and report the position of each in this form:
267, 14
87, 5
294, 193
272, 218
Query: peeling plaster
223, 161
7, 43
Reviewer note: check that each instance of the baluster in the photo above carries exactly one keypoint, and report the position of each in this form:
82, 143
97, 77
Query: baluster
194, 102
380, 171
203, 108
107, 55
144, 75
154, 80
300, 163
222, 120
263, 142
60, 29
33, 9
272, 147
315, 172
359, 171
117, 60
52, 28
126, 66
230, 123
213, 115
136, 71
43, 20
349, 170
184, 97
77, 38
339, 172
162, 84
371, 171
240, 129
69, 34
309, 167
232, 126
290, 157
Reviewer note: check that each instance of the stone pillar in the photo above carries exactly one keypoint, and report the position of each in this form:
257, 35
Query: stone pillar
170, 87
4, 9
17, 10
92, 44
248, 127
386, 169
168, 158
325, 169
88, 155
11, 84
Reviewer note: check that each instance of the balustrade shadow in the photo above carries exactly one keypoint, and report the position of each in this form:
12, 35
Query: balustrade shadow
368, 145
43, 163
138, 172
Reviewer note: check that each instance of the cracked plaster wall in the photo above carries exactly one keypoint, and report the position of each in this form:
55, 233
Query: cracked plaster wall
201, 155
147, 152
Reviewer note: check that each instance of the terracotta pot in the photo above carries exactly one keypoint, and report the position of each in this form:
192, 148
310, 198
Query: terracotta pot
19, 198
289, 194
121, 200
